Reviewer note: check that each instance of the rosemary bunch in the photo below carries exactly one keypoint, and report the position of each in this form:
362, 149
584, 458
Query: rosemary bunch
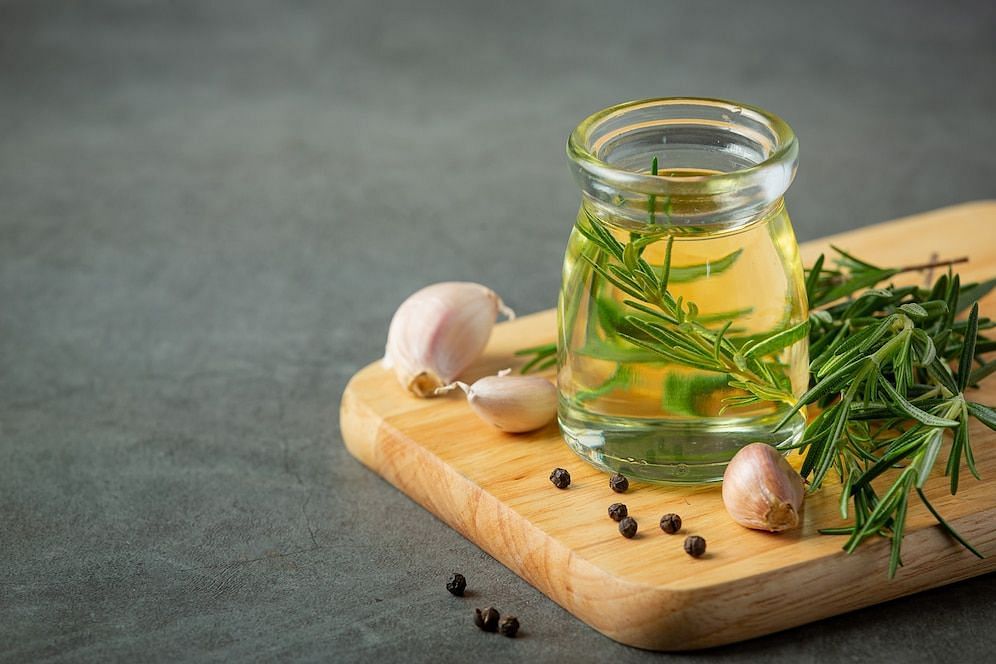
880, 370
881, 367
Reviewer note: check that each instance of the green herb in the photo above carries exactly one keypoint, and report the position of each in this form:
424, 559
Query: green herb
619, 378
880, 371
544, 357
881, 367
652, 200
670, 328
688, 273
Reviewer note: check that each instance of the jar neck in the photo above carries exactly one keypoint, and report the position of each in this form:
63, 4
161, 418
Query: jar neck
631, 218
691, 164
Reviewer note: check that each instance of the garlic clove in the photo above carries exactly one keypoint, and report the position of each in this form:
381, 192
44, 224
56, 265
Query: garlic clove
439, 331
761, 490
515, 404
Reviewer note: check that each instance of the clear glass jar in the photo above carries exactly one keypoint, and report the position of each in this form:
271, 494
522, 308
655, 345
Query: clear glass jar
698, 181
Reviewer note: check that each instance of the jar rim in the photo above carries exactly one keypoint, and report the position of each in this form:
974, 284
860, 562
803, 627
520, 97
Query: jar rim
785, 151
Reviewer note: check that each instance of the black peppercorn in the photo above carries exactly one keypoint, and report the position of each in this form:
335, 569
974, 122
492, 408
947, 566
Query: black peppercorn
618, 483
487, 619
560, 478
456, 585
509, 627
618, 511
627, 527
695, 546
670, 523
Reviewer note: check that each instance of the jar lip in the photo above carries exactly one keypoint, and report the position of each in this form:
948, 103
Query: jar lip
579, 150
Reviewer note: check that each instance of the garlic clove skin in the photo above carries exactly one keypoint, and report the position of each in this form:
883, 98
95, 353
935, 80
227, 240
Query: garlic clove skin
514, 404
438, 332
761, 490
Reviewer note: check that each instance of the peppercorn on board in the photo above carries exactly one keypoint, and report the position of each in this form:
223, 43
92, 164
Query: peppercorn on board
494, 488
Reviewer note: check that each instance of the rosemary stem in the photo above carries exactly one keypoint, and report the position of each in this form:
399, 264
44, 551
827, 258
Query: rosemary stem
883, 353
930, 265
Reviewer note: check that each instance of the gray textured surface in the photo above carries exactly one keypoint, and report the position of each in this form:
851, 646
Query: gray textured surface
208, 212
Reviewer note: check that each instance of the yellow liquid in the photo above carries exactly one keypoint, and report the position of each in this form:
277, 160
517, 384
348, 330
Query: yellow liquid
625, 409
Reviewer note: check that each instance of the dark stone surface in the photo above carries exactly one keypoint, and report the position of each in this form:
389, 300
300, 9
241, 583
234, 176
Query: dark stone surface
209, 211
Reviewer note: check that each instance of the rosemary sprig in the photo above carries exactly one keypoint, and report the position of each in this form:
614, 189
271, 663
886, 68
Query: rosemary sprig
881, 362
670, 327
544, 357
880, 370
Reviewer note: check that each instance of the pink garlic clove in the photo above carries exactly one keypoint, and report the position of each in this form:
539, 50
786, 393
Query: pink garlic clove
515, 404
438, 332
761, 490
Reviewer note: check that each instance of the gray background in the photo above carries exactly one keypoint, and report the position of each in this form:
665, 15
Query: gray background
209, 211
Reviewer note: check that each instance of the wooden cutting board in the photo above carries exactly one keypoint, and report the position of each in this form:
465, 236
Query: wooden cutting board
646, 592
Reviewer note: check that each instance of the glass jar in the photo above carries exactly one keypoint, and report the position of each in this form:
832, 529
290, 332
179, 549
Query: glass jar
682, 312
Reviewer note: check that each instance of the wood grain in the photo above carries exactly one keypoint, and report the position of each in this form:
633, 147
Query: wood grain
493, 488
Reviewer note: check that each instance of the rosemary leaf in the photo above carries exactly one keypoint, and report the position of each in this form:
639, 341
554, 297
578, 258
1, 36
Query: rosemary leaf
777, 342
968, 348
984, 414
946, 526
912, 411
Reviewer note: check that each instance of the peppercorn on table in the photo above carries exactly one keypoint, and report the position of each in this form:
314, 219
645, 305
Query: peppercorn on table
494, 488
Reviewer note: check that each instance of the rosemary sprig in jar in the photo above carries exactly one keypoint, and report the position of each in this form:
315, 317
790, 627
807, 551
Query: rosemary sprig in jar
880, 370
